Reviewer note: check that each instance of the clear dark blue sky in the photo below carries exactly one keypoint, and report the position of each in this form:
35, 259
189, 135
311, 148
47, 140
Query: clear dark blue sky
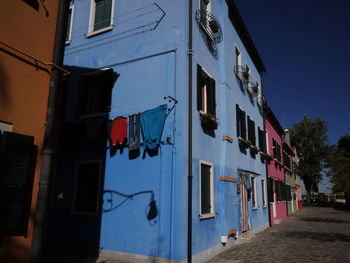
305, 46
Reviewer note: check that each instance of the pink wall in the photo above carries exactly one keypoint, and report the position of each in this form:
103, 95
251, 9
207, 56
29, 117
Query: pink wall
281, 210
273, 169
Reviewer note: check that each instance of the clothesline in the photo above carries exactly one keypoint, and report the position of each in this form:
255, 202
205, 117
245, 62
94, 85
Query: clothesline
144, 103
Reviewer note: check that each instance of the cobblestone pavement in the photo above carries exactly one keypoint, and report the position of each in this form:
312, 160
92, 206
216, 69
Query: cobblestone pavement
316, 234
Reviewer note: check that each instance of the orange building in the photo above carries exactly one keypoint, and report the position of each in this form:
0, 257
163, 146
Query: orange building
28, 36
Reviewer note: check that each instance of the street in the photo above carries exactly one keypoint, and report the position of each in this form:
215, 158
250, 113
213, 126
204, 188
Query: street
316, 234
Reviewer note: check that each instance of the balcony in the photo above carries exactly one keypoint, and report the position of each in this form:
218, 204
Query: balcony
210, 25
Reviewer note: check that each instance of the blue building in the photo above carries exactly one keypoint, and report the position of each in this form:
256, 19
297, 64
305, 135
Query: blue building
204, 184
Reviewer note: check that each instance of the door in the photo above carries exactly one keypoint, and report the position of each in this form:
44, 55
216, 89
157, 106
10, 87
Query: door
274, 199
244, 204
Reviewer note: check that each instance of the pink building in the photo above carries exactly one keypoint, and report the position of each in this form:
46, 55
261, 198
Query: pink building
277, 186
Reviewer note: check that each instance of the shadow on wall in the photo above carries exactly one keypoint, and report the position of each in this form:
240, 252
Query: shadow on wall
113, 200
74, 221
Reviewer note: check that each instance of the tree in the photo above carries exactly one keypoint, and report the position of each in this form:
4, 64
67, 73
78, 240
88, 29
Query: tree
310, 138
339, 164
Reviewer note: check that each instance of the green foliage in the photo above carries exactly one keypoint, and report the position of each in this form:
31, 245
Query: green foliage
310, 138
339, 164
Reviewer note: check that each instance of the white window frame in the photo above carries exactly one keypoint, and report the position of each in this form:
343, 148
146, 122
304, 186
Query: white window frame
267, 142
91, 31
205, 106
254, 196
5, 126
263, 187
212, 209
71, 8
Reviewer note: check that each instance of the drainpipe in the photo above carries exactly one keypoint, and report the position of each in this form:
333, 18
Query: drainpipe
190, 176
48, 145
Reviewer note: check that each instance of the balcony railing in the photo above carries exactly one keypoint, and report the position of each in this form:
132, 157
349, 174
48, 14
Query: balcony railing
210, 25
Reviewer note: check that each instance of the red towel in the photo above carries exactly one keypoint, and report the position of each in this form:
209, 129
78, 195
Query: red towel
119, 131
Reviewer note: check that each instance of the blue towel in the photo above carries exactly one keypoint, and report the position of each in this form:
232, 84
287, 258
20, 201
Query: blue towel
152, 123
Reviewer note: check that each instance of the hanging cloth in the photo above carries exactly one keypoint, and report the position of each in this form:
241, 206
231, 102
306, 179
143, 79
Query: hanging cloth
134, 132
118, 133
152, 123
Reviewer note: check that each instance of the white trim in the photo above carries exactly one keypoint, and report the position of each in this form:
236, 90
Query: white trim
205, 106
263, 188
212, 209
91, 31
71, 8
254, 197
5, 126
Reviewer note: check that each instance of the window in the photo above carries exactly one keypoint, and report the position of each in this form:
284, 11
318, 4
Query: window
205, 92
17, 162
254, 199
286, 160
241, 122
251, 131
263, 188
87, 188
276, 150
95, 96
262, 140
69, 25
206, 190
271, 190
101, 16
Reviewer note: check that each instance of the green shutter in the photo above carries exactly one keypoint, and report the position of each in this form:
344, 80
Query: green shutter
17, 158
244, 125
102, 14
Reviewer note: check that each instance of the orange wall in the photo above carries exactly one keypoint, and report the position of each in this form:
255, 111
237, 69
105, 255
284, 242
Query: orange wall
24, 90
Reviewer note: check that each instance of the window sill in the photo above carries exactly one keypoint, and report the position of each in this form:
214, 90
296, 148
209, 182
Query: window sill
68, 42
206, 216
100, 31
265, 206
255, 208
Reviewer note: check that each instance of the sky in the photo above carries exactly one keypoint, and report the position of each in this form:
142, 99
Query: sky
305, 47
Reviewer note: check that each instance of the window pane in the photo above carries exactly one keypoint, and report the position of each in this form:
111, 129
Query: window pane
68, 24
205, 189
102, 14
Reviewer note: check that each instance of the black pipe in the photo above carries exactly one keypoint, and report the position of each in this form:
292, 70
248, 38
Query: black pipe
48, 145
190, 176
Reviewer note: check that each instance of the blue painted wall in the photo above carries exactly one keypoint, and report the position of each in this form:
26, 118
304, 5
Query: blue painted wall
147, 47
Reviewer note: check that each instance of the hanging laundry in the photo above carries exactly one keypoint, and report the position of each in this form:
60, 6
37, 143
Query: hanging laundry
118, 133
134, 132
152, 123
